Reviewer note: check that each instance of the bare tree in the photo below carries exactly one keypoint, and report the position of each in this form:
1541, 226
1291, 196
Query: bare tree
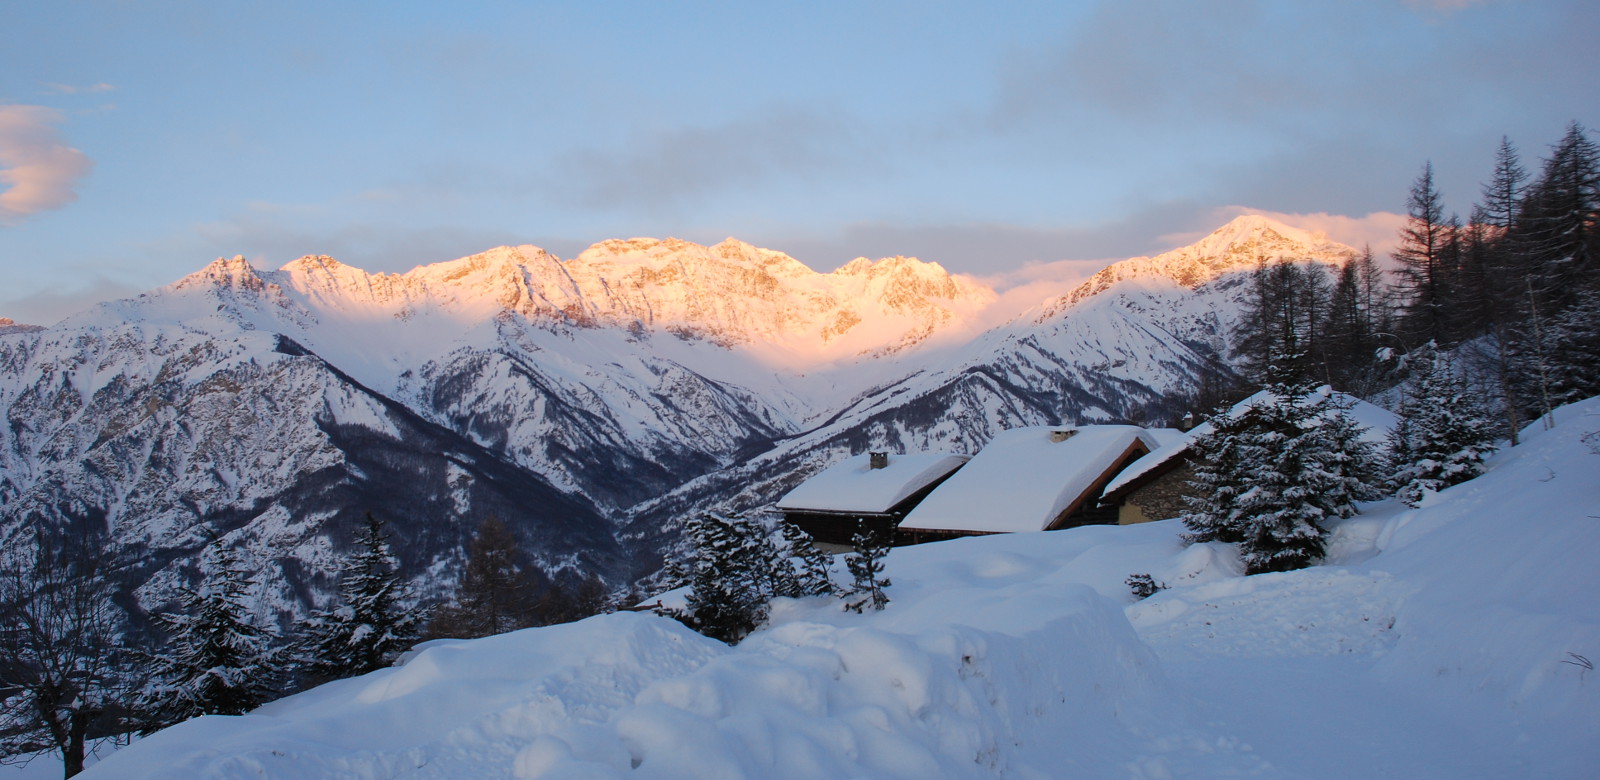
64, 679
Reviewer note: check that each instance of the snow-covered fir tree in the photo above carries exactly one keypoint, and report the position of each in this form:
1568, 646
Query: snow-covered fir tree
1354, 465
811, 566
1444, 433
1281, 499
217, 660
373, 622
729, 577
1572, 340
1268, 475
1222, 455
865, 563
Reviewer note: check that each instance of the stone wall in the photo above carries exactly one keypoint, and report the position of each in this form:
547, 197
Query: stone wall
1161, 499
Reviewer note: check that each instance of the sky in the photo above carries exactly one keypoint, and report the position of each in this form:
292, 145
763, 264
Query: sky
1020, 142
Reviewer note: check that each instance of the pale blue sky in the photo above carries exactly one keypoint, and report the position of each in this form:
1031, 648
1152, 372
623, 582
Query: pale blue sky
983, 136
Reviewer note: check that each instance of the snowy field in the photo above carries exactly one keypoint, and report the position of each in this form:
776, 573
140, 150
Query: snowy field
1446, 641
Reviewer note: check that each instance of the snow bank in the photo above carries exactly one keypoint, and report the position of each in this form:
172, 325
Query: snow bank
992, 660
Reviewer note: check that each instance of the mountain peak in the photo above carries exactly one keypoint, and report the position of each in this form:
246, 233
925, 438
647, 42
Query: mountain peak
224, 273
1246, 242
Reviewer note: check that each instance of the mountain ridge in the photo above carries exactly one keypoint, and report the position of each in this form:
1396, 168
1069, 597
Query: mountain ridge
257, 406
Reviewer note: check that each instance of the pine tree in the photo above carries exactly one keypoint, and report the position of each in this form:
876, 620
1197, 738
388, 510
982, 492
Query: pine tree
865, 563
1347, 345
1284, 519
1282, 316
374, 622
1503, 193
1444, 435
218, 662
1351, 465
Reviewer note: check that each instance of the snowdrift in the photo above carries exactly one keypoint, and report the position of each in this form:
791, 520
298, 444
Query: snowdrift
1449, 640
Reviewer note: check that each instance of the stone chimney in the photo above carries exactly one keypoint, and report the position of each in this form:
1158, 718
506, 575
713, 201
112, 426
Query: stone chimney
1062, 435
877, 460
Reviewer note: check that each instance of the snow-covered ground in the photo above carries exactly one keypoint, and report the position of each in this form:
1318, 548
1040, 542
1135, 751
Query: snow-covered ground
1449, 640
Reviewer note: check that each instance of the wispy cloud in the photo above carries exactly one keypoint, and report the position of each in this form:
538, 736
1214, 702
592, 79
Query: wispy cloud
76, 89
47, 307
672, 167
37, 169
1443, 6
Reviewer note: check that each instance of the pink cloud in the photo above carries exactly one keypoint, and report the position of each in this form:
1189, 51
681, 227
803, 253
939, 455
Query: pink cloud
37, 169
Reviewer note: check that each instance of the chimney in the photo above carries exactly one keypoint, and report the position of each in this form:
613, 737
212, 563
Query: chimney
1062, 435
878, 460
1187, 423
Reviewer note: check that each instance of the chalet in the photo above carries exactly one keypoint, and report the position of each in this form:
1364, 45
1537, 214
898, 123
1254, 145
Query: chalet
1030, 479
871, 491
1154, 488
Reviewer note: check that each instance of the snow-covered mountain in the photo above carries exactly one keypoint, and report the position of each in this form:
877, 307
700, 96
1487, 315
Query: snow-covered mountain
590, 403
1451, 640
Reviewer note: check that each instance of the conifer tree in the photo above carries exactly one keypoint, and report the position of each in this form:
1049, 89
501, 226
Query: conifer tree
812, 568
218, 662
374, 621
1222, 457
1284, 518
497, 592
725, 599
1444, 433
865, 563
1269, 475
1423, 258
1502, 194
1560, 218
1572, 341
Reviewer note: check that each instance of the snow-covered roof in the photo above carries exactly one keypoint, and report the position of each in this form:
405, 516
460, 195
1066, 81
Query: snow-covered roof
851, 485
1165, 436
1024, 479
1376, 420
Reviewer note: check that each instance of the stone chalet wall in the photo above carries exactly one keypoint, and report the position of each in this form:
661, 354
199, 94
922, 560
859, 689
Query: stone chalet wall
1161, 499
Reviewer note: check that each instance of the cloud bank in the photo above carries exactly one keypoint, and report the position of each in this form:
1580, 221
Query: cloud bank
37, 169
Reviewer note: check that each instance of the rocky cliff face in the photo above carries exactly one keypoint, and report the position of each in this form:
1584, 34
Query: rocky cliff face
589, 403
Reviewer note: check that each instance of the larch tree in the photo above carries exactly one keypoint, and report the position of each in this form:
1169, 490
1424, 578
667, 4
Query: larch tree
497, 591
1423, 258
